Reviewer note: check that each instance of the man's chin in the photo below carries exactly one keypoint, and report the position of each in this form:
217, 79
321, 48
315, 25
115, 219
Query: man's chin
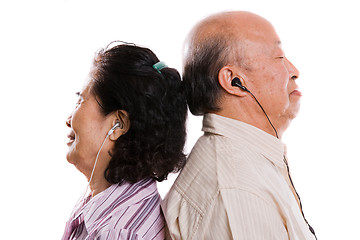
287, 117
293, 110
293, 115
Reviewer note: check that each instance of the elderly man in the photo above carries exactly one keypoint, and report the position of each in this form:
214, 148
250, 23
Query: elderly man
236, 183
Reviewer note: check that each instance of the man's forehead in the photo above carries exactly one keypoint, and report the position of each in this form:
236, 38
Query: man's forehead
279, 45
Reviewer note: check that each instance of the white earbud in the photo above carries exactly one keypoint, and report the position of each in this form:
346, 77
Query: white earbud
117, 124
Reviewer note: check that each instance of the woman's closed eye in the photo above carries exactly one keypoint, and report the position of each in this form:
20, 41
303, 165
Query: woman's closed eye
79, 99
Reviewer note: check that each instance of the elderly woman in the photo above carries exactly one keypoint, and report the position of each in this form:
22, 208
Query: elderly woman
127, 130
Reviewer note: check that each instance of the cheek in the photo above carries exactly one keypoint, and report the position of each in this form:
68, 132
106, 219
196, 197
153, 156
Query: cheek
281, 80
82, 152
278, 95
84, 146
281, 87
87, 141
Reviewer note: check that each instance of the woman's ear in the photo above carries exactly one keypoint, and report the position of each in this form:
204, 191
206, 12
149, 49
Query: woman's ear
121, 117
225, 77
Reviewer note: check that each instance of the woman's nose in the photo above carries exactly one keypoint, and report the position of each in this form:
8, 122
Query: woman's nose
68, 122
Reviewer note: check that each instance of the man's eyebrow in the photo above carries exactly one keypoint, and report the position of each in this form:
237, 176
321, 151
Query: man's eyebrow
77, 94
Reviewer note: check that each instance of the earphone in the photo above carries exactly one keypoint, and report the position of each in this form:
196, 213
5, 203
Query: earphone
116, 125
236, 82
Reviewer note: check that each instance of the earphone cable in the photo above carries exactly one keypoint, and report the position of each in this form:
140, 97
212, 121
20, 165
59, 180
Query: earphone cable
298, 196
287, 166
92, 173
277, 136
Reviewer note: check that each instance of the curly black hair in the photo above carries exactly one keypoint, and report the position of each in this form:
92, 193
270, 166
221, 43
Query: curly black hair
124, 79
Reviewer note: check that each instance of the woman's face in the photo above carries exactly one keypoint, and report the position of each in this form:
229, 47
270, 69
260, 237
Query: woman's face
88, 129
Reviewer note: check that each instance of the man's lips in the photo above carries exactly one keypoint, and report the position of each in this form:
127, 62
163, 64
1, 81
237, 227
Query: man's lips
296, 92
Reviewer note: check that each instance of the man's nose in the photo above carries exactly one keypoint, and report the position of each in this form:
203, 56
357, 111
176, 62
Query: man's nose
294, 73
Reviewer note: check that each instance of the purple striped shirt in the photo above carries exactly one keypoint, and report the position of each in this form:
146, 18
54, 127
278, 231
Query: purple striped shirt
122, 211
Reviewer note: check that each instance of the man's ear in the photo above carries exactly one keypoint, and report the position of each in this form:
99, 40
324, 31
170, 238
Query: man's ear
122, 117
225, 77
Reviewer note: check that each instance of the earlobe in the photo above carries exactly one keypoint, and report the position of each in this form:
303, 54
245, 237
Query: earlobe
122, 118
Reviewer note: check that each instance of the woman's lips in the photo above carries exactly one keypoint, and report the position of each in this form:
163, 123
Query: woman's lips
71, 138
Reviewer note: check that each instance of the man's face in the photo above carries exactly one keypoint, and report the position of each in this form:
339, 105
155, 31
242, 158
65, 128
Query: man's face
270, 76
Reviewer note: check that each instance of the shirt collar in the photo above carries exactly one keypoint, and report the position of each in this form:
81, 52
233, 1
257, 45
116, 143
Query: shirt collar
116, 197
247, 135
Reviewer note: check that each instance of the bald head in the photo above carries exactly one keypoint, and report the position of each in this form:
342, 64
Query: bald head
232, 30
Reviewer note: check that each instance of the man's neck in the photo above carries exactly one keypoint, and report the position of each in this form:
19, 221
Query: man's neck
251, 114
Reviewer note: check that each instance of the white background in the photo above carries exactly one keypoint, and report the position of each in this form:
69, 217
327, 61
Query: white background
46, 49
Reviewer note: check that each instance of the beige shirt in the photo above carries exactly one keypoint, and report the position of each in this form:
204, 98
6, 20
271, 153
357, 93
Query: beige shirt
234, 186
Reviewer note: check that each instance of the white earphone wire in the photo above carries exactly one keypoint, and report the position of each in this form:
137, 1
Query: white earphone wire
92, 172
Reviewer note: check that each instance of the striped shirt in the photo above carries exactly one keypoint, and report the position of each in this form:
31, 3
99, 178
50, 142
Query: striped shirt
234, 186
122, 211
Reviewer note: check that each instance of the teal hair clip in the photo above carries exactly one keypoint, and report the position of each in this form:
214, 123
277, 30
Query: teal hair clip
158, 66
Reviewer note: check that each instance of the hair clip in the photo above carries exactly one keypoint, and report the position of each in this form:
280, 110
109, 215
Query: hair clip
159, 65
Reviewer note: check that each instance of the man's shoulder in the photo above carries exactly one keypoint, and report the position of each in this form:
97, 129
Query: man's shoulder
197, 184
217, 162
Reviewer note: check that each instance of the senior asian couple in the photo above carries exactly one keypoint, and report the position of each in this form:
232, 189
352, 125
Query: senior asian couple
128, 131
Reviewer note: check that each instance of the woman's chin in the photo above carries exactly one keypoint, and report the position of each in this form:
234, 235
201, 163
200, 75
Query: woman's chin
69, 157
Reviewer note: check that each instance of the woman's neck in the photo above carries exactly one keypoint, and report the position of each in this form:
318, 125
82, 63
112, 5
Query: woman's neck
98, 185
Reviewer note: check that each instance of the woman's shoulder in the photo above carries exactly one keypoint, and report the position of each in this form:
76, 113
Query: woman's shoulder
136, 211
127, 234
